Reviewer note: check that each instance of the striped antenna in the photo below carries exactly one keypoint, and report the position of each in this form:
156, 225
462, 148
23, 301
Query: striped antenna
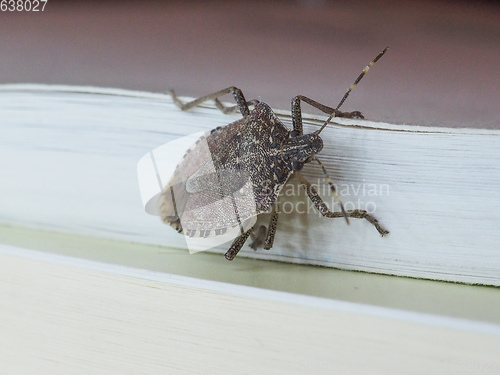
352, 87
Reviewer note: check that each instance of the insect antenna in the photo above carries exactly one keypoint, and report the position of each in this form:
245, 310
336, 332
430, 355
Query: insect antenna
352, 87
333, 189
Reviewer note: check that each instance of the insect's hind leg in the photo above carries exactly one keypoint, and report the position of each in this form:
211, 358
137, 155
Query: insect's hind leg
237, 245
258, 239
297, 112
325, 211
241, 103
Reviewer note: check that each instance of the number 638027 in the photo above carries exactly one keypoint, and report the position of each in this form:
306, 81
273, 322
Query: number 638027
23, 5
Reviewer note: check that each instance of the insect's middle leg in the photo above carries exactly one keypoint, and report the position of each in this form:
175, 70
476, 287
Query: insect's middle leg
297, 112
258, 236
325, 211
241, 103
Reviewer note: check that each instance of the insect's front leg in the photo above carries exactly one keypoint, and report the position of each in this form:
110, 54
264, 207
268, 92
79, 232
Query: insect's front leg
241, 103
297, 112
325, 211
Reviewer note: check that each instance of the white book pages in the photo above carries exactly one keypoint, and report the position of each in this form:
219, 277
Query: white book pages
70, 156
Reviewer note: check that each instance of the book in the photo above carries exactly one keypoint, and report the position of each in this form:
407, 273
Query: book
59, 313
92, 282
71, 165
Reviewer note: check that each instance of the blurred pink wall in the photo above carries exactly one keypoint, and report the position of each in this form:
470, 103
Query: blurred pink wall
441, 69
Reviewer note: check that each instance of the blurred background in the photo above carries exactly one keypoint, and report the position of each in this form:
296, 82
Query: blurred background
441, 69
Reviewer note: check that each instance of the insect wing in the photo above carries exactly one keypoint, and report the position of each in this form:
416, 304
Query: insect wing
205, 199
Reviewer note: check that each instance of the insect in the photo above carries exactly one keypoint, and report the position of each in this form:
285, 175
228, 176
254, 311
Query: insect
235, 172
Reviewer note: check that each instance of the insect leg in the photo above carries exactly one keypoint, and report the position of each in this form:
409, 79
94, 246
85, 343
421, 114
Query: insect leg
258, 238
297, 112
271, 230
237, 245
323, 208
241, 103
332, 188
265, 236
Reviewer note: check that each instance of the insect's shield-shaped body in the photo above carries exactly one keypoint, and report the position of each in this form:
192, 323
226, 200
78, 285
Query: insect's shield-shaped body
234, 173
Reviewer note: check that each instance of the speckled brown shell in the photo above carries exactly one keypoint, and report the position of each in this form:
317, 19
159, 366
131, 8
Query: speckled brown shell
229, 175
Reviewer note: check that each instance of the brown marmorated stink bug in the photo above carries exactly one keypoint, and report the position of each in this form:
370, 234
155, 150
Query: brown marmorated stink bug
235, 172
